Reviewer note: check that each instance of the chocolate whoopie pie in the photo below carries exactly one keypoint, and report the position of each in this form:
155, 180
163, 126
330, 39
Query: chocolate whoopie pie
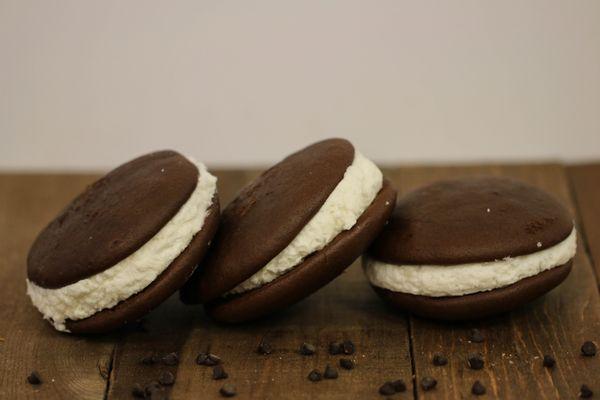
468, 248
291, 231
125, 244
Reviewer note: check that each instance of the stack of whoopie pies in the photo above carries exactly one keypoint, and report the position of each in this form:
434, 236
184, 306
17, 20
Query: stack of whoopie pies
452, 250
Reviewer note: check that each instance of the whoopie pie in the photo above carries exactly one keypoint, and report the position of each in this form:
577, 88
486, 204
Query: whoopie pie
472, 247
292, 230
125, 244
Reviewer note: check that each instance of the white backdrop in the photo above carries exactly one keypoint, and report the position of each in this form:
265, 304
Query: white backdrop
90, 84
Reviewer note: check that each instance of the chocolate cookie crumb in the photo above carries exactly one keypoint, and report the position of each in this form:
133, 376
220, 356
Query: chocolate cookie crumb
264, 347
476, 336
387, 389
307, 349
315, 376
348, 347
330, 372
171, 359
399, 386
219, 372
585, 392
588, 349
475, 361
166, 378
228, 390
208, 360
138, 391
150, 359
478, 389
346, 363
428, 383
34, 378
439, 360
549, 361
335, 348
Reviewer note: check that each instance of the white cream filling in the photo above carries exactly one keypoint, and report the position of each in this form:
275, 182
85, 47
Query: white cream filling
461, 279
346, 203
134, 273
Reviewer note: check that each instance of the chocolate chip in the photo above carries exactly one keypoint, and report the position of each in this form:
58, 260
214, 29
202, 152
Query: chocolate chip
171, 359
399, 386
315, 376
228, 390
475, 361
158, 394
330, 372
335, 348
219, 372
264, 347
208, 360
585, 392
346, 363
150, 358
138, 391
478, 389
152, 387
475, 336
549, 361
166, 378
588, 349
348, 347
428, 383
307, 349
34, 378
439, 360
387, 389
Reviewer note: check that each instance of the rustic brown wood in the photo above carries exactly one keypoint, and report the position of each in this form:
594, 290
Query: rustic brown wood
585, 184
515, 343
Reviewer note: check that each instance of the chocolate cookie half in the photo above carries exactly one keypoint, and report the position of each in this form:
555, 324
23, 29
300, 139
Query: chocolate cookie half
125, 244
472, 247
291, 231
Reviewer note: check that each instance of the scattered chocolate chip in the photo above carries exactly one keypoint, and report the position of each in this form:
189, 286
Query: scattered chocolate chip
315, 376
138, 391
588, 349
428, 383
150, 358
335, 348
152, 387
475, 361
219, 372
208, 360
439, 360
228, 390
307, 349
171, 359
34, 378
348, 347
549, 361
478, 389
476, 336
585, 392
387, 389
264, 347
399, 386
330, 372
346, 363
166, 378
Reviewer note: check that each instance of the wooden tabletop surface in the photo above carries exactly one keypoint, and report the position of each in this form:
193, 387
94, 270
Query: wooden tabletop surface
389, 345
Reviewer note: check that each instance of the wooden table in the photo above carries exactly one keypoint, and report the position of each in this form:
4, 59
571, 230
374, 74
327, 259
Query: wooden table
389, 345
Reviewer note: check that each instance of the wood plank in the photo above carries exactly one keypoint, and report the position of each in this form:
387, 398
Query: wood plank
556, 324
346, 309
68, 365
585, 185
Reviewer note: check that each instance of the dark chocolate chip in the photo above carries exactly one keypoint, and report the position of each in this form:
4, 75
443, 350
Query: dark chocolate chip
478, 389
439, 360
219, 372
307, 349
476, 336
475, 361
315, 376
428, 383
171, 359
588, 349
348, 347
34, 378
346, 363
152, 387
208, 360
264, 347
387, 389
335, 348
399, 386
585, 392
138, 391
166, 378
228, 390
150, 358
549, 361
330, 372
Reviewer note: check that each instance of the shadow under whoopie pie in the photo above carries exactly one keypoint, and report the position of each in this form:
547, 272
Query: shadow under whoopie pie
472, 247
125, 244
291, 231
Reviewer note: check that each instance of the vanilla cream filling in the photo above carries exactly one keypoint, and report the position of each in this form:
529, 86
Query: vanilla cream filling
461, 279
133, 274
346, 203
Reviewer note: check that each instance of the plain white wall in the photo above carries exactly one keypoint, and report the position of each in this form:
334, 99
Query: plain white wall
89, 84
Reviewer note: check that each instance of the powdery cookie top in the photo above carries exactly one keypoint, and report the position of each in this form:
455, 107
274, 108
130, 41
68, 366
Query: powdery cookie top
471, 220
